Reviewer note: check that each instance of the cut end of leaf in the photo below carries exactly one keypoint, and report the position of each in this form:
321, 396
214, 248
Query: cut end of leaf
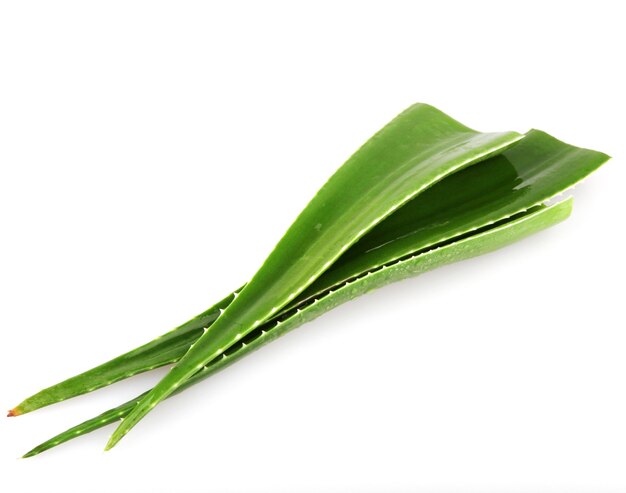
14, 412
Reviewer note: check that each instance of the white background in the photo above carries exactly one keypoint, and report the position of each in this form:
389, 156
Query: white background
151, 155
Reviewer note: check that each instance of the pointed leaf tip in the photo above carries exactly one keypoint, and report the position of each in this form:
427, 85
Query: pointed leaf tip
13, 412
111, 443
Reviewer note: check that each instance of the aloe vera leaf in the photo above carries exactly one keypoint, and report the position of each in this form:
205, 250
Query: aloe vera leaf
530, 172
163, 350
416, 150
477, 244
104, 419
166, 349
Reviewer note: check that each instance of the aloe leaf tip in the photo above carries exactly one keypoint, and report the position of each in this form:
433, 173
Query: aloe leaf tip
14, 412
111, 443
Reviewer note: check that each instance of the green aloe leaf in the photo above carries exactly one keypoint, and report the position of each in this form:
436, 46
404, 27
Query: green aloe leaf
430, 127
161, 351
416, 150
527, 174
499, 189
490, 239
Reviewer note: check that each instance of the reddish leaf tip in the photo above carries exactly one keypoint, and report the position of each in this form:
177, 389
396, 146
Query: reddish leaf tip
13, 412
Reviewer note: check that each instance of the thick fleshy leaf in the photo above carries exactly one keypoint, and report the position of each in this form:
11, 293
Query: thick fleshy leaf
523, 176
417, 149
492, 238
533, 170
498, 190
161, 351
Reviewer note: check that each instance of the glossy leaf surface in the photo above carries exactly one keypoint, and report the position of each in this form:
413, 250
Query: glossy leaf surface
416, 150
483, 242
530, 172
453, 185
161, 351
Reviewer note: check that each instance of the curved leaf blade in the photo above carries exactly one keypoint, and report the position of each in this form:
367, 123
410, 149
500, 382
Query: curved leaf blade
528, 173
525, 175
472, 246
417, 149
161, 351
